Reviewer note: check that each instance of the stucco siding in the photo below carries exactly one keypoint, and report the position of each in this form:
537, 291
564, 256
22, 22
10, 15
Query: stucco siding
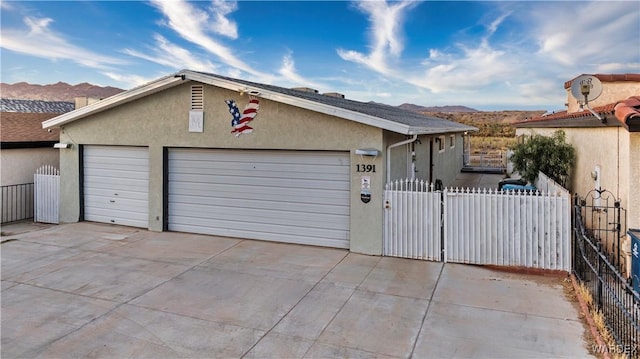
19, 165
611, 92
161, 121
445, 164
605, 148
633, 205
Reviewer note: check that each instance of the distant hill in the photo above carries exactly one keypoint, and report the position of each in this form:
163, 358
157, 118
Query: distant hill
444, 109
489, 123
60, 91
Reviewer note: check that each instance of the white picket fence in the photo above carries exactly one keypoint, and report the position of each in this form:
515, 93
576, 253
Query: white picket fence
46, 195
486, 227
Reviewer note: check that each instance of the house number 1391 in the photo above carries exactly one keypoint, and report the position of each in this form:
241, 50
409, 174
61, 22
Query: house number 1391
365, 168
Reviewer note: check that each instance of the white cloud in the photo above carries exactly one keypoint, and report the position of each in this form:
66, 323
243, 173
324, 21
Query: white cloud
130, 80
192, 24
222, 25
40, 41
385, 34
588, 34
289, 73
168, 54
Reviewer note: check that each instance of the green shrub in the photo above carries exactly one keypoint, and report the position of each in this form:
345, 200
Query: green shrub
549, 155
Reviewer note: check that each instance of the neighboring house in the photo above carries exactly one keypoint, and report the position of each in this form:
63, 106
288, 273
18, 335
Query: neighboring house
25, 145
202, 153
607, 150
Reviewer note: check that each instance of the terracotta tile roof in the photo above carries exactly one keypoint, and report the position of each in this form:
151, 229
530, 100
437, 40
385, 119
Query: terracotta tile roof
564, 115
628, 112
608, 78
26, 127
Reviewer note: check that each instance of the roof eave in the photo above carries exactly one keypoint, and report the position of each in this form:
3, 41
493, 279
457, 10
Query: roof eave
316, 106
113, 101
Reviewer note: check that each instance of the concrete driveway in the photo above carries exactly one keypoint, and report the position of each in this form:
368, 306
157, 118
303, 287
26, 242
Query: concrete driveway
93, 290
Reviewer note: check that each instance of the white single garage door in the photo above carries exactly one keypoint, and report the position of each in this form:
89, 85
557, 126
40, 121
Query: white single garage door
116, 185
284, 196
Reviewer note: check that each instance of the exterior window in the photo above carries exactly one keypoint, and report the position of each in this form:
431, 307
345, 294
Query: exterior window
452, 141
440, 141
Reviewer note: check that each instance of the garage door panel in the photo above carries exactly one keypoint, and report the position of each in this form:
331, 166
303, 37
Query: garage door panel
108, 193
250, 202
217, 227
332, 183
256, 215
259, 156
116, 204
297, 170
133, 219
116, 185
274, 194
265, 236
289, 196
112, 164
116, 174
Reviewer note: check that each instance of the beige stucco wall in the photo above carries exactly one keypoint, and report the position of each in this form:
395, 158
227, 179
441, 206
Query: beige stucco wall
633, 204
446, 164
18, 165
611, 92
161, 121
609, 149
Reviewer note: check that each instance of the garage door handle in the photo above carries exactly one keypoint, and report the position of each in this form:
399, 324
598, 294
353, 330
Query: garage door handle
112, 201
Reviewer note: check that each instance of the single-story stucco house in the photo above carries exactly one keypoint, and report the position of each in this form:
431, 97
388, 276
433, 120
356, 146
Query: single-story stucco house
202, 153
25, 144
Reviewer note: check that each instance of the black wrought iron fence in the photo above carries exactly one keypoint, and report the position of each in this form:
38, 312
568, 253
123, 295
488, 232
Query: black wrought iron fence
612, 293
17, 202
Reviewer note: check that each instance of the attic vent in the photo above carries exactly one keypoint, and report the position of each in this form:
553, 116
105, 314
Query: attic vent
197, 97
334, 94
305, 89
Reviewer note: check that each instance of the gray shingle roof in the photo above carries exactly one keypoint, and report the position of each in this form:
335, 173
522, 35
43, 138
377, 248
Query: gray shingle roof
391, 113
35, 106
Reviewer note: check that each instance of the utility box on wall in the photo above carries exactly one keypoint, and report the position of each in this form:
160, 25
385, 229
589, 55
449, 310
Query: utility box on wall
635, 258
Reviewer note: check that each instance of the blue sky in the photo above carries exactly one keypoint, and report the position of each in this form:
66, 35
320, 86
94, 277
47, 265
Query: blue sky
497, 55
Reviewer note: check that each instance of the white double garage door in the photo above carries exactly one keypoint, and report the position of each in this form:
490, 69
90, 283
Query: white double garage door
285, 196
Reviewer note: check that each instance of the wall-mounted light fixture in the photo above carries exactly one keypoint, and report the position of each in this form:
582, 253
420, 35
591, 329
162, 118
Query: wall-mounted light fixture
594, 175
62, 145
367, 152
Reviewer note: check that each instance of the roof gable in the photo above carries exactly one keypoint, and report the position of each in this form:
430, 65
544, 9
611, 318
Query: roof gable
382, 116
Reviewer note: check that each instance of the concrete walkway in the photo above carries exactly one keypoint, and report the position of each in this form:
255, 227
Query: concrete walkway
101, 291
477, 180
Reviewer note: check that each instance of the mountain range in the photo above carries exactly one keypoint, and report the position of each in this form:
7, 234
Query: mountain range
60, 91
63, 91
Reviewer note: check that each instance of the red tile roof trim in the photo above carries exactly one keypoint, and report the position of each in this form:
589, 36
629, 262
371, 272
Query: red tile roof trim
609, 78
628, 112
600, 110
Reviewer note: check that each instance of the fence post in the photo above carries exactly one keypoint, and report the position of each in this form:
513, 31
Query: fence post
599, 270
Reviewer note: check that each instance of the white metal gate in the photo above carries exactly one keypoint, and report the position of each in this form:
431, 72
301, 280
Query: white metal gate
46, 194
487, 227
412, 220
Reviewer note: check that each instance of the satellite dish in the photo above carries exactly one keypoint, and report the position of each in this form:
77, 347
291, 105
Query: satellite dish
586, 88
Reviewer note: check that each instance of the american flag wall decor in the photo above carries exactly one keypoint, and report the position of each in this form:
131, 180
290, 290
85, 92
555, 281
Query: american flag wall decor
240, 122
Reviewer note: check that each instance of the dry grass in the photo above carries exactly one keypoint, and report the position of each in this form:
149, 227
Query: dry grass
490, 144
599, 321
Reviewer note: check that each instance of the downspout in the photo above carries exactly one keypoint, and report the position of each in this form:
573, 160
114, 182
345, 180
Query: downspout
412, 139
431, 160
